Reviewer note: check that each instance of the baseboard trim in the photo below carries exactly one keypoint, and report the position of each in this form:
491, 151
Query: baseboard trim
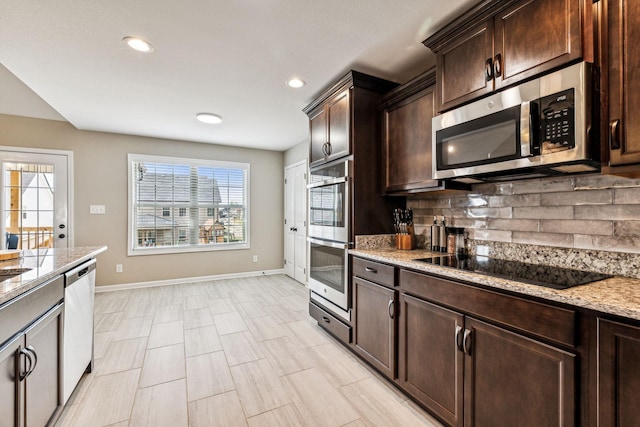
155, 283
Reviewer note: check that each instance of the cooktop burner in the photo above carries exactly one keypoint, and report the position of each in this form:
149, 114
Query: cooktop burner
541, 275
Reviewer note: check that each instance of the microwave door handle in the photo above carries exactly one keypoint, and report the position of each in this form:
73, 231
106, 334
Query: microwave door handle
525, 129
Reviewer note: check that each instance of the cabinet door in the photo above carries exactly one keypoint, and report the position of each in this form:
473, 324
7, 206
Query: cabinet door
618, 374
511, 380
318, 132
43, 385
535, 36
375, 324
338, 125
622, 43
430, 366
462, 67
407, 139
10, 386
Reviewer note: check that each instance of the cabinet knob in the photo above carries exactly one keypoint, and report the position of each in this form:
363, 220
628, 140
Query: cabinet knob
61, 236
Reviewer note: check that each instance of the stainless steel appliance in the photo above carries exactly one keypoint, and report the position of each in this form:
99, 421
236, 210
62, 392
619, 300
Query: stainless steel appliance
329, 236
78, 324
538, 128
329, 201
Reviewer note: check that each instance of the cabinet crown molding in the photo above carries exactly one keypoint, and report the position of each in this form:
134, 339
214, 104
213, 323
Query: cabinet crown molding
349, 80
469, 19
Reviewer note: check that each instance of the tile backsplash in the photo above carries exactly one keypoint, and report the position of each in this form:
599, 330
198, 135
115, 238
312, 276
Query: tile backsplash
586, 212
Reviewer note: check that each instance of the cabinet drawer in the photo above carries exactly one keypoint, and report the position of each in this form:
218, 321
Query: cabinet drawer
381, 274
330, 323
18, 312
553, 323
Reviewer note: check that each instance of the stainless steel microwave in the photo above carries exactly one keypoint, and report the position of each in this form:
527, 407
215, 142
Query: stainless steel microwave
537, 128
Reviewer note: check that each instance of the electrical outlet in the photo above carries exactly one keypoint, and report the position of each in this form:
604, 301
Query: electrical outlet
118, 268
255, 258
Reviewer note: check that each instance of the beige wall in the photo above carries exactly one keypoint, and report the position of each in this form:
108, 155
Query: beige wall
100, 169
296, 153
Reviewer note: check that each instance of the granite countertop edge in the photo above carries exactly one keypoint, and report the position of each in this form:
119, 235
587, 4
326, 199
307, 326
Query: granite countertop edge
44, 266
618, 295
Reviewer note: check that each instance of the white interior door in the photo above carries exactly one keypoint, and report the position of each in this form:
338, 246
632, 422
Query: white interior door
295, 223
36, 198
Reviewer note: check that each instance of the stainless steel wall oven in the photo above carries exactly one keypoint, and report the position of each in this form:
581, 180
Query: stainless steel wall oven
329, 236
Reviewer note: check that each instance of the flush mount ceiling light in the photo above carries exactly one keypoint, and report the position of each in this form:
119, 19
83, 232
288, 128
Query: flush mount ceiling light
138, 44
296, 83
209, 118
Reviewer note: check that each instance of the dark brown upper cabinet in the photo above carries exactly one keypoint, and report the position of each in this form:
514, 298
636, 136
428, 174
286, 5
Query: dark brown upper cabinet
499, 43
619, 56
406, 137
341, 117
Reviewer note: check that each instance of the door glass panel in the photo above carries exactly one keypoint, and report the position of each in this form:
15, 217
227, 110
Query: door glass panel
327, 266
30, 198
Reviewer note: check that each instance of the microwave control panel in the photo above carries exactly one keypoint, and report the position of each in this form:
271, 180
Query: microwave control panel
557, 121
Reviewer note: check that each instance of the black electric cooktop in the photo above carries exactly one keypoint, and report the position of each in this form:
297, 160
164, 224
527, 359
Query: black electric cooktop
541, 275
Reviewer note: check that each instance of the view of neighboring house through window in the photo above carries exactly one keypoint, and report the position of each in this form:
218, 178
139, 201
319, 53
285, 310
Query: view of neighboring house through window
186, 204
29, 205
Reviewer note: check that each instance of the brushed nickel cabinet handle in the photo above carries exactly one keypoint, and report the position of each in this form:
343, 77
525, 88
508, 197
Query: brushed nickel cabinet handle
466, 342
392, 309
370, 270
458, 337
614, 134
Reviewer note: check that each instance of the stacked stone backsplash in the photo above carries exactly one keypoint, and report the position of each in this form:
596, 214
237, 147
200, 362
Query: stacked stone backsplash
589, 222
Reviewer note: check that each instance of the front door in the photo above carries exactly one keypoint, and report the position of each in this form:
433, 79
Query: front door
35, 193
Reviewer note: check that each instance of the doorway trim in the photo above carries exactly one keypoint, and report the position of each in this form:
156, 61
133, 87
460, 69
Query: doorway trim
70, 180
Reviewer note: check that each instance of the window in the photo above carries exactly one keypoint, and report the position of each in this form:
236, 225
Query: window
185, 205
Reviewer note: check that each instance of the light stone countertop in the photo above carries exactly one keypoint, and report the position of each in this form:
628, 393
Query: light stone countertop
617, 295
44, 264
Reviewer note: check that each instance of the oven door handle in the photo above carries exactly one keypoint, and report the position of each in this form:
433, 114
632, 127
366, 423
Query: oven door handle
337, 245
331, 181
525, 129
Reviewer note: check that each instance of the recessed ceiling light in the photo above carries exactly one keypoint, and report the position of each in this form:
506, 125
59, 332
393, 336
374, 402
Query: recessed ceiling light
209, 118
296, 83
138, 44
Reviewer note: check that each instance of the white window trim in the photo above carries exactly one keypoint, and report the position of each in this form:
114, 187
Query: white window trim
132, 237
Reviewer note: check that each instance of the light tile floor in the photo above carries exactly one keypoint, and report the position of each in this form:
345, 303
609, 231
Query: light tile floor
240, 352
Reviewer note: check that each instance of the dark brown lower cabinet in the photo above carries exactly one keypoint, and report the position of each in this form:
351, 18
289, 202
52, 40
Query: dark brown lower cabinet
468, 372
375, 325
511, 380
430, 367
618, 374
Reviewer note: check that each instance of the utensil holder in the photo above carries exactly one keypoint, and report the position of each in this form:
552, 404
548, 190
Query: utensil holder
404, 241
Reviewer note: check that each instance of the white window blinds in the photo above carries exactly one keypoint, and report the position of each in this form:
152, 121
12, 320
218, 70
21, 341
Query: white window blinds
178, 205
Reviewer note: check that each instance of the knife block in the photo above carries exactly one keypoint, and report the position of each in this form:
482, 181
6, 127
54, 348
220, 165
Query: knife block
404, 241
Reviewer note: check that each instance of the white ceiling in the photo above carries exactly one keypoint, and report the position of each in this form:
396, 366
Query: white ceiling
230, 58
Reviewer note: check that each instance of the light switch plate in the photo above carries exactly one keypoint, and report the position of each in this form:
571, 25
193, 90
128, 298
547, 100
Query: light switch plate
97, 209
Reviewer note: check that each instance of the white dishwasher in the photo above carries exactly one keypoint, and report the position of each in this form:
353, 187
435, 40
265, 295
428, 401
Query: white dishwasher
78, 324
